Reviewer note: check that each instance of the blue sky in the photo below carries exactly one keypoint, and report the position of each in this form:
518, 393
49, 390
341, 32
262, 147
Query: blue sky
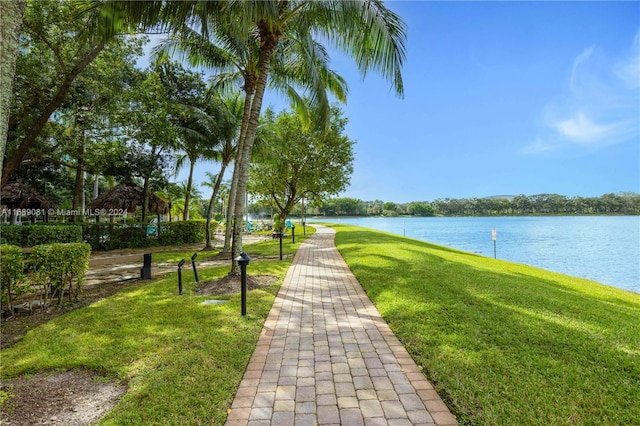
501, 98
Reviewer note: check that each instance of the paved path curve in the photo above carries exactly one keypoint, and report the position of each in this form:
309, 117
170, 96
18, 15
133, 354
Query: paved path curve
326, 356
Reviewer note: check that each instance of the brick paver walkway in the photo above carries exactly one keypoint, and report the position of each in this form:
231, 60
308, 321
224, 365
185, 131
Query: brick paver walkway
325, 355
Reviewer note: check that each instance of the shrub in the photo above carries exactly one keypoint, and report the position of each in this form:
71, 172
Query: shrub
278, 223
111, 236
12, 274
53, 234
59, 266
32, 235
12, 234
184, 232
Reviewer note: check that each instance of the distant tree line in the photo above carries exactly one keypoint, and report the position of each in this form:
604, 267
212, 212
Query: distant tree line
625, 203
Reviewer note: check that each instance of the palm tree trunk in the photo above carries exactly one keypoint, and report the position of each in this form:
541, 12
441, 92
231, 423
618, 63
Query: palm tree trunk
246, 114
231, 204
187, 196
214, 194
270, 41
12, 13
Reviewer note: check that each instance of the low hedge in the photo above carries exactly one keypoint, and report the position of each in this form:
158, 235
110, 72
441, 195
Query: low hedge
111, 236
32, 235
60, 268
12, 274
184, 232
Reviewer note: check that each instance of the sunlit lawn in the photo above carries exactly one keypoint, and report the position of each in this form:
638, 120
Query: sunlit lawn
503, 342
182, 360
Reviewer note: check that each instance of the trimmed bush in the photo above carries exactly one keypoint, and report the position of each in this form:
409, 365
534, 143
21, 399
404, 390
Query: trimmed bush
32, 235
111, 236
12, 274
184, 232
61, 267
12, 234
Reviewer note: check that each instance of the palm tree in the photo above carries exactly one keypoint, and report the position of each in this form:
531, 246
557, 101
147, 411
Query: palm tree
200, 137
372, 34
366, 30
235, 49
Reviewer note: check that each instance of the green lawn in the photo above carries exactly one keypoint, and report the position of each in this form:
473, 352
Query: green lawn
182, 360
505, 343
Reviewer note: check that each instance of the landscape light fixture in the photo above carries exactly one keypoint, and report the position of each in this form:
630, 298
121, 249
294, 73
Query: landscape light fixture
243, 260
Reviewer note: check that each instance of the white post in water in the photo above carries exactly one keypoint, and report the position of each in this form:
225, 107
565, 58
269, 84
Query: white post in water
494, 237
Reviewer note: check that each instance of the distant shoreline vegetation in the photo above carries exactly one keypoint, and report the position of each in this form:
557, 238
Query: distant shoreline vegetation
626, 203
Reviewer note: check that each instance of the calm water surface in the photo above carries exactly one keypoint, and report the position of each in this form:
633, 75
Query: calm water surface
601, 248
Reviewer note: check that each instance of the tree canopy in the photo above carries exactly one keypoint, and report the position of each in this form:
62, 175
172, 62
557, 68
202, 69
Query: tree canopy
296, 162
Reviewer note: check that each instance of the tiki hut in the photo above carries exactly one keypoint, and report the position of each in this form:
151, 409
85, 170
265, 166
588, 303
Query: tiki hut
20, 196
127, 197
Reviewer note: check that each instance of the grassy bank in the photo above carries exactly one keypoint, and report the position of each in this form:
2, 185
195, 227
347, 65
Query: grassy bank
182, 360
504, 343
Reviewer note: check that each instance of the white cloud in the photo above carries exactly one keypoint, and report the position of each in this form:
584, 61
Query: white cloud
628, 70
539, 146
581, 129
601, 106
577, 62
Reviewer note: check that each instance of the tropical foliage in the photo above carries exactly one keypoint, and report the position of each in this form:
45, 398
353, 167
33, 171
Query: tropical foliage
626, 203
297, 163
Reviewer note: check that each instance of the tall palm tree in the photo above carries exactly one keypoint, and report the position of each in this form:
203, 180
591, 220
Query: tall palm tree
366, 30
299, 63
369, 32
201, 134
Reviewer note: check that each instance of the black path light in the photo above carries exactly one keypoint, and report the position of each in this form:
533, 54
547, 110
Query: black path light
180, 276
193, 263
145, 272
293, 233
280, 234
243, 260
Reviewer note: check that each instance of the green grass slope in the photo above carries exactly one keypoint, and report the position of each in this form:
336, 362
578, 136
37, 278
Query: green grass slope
504, 343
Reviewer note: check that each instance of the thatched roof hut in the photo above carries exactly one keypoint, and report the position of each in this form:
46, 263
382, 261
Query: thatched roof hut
20, 196
128, 196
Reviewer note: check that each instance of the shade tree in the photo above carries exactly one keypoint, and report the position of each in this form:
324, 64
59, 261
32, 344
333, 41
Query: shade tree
297, 162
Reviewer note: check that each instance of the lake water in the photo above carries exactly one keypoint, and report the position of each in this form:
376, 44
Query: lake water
601, 248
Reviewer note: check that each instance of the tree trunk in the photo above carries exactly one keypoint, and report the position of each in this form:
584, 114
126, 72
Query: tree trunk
11, 13
16, 159
96, 183
77, 202
231, 204
270, 41
145, 202
187, 196
246, 114
214, 194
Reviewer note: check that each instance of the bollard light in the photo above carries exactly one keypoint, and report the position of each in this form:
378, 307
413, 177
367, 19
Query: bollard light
243, 260
280, 234
180, 276
293, 234
193, 263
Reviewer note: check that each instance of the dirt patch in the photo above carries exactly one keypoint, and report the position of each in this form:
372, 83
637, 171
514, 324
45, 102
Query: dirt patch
74, 398
231, 284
